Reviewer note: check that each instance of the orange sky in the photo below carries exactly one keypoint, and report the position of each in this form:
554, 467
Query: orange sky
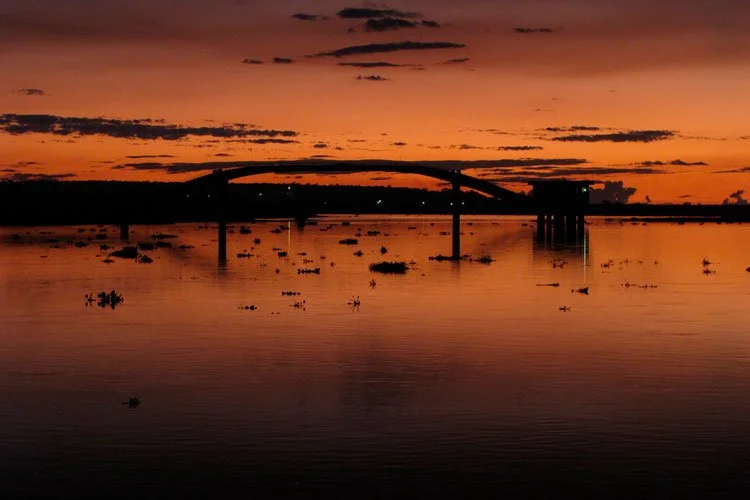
606, 74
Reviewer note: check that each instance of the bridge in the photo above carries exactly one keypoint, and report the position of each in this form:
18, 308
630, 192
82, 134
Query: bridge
218, 179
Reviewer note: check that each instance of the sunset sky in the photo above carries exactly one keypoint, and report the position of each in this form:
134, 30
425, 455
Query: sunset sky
655, 93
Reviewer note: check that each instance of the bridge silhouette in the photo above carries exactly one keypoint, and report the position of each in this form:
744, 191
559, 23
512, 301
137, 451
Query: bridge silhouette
218, 179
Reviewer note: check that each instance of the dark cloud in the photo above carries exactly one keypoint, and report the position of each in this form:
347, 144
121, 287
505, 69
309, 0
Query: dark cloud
147, 129
272, 141
736, 198
734, 171
282, 60
680, 163
252, 61
519, 148
138, 157
627, 136
376, 48
366, 13
309, 17
23, 177
31, 92
574, 128
458, 60
388, 24
676, 163
373, 78
376, 64
430, 24
527, 31
612, 192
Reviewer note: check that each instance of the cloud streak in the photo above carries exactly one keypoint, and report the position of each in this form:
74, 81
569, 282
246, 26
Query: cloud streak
627, 136
146, 129
378, 48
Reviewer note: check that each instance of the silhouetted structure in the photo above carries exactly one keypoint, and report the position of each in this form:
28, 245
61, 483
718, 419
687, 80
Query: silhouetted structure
561, 206
219, 179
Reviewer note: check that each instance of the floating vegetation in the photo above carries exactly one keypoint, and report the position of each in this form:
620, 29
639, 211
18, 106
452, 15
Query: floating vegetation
303, 254
282, 254
445, 233
558, 263
163, 244
348, 241
104, 247
185, 247
104, 299
299, 305
144, 259
256, 241
383, 250
747, 269
309, 271
373, 233
101, 236
389, 267
484, 259
276, 231
291, 293
132, 402
146, 245
633, 285
566, 308
411, 228
163, 236
584, 290
358, 253
245, 230
81, 244
307, 261
346, 223
709, 271
549, 284
443, 258
125, 253
249, 308
355, 302
373, 283
245, 255
608, 264
706, 262
108, 261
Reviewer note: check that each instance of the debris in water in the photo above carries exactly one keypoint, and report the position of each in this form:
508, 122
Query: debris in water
349, 241
309, 271
249, 308
104, 299
565, 309
132, 402
549, 284
584, 290
389, 267
125, 253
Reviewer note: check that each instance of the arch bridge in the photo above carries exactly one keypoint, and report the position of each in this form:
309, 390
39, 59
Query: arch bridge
219, 178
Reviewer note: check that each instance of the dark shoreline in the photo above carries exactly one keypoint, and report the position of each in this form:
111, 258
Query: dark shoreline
113, 202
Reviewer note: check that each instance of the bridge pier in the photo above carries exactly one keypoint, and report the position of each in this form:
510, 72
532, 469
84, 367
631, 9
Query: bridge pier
221, 216
456, 229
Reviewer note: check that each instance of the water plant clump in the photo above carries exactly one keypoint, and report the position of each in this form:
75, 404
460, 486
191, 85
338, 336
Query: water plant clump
349, 241
389, 267
104, 299
125, 253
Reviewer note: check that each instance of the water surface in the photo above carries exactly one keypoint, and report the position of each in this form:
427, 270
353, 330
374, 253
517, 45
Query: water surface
457, 378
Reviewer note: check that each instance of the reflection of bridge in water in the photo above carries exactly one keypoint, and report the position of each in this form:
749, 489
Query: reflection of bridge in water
554, 202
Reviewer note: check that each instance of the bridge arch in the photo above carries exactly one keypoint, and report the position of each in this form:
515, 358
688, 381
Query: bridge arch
455, 177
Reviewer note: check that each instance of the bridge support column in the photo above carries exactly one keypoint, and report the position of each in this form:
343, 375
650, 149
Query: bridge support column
221, 215
124, 232
456, 230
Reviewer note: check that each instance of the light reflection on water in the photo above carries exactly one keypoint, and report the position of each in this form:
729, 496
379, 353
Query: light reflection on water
455, 378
